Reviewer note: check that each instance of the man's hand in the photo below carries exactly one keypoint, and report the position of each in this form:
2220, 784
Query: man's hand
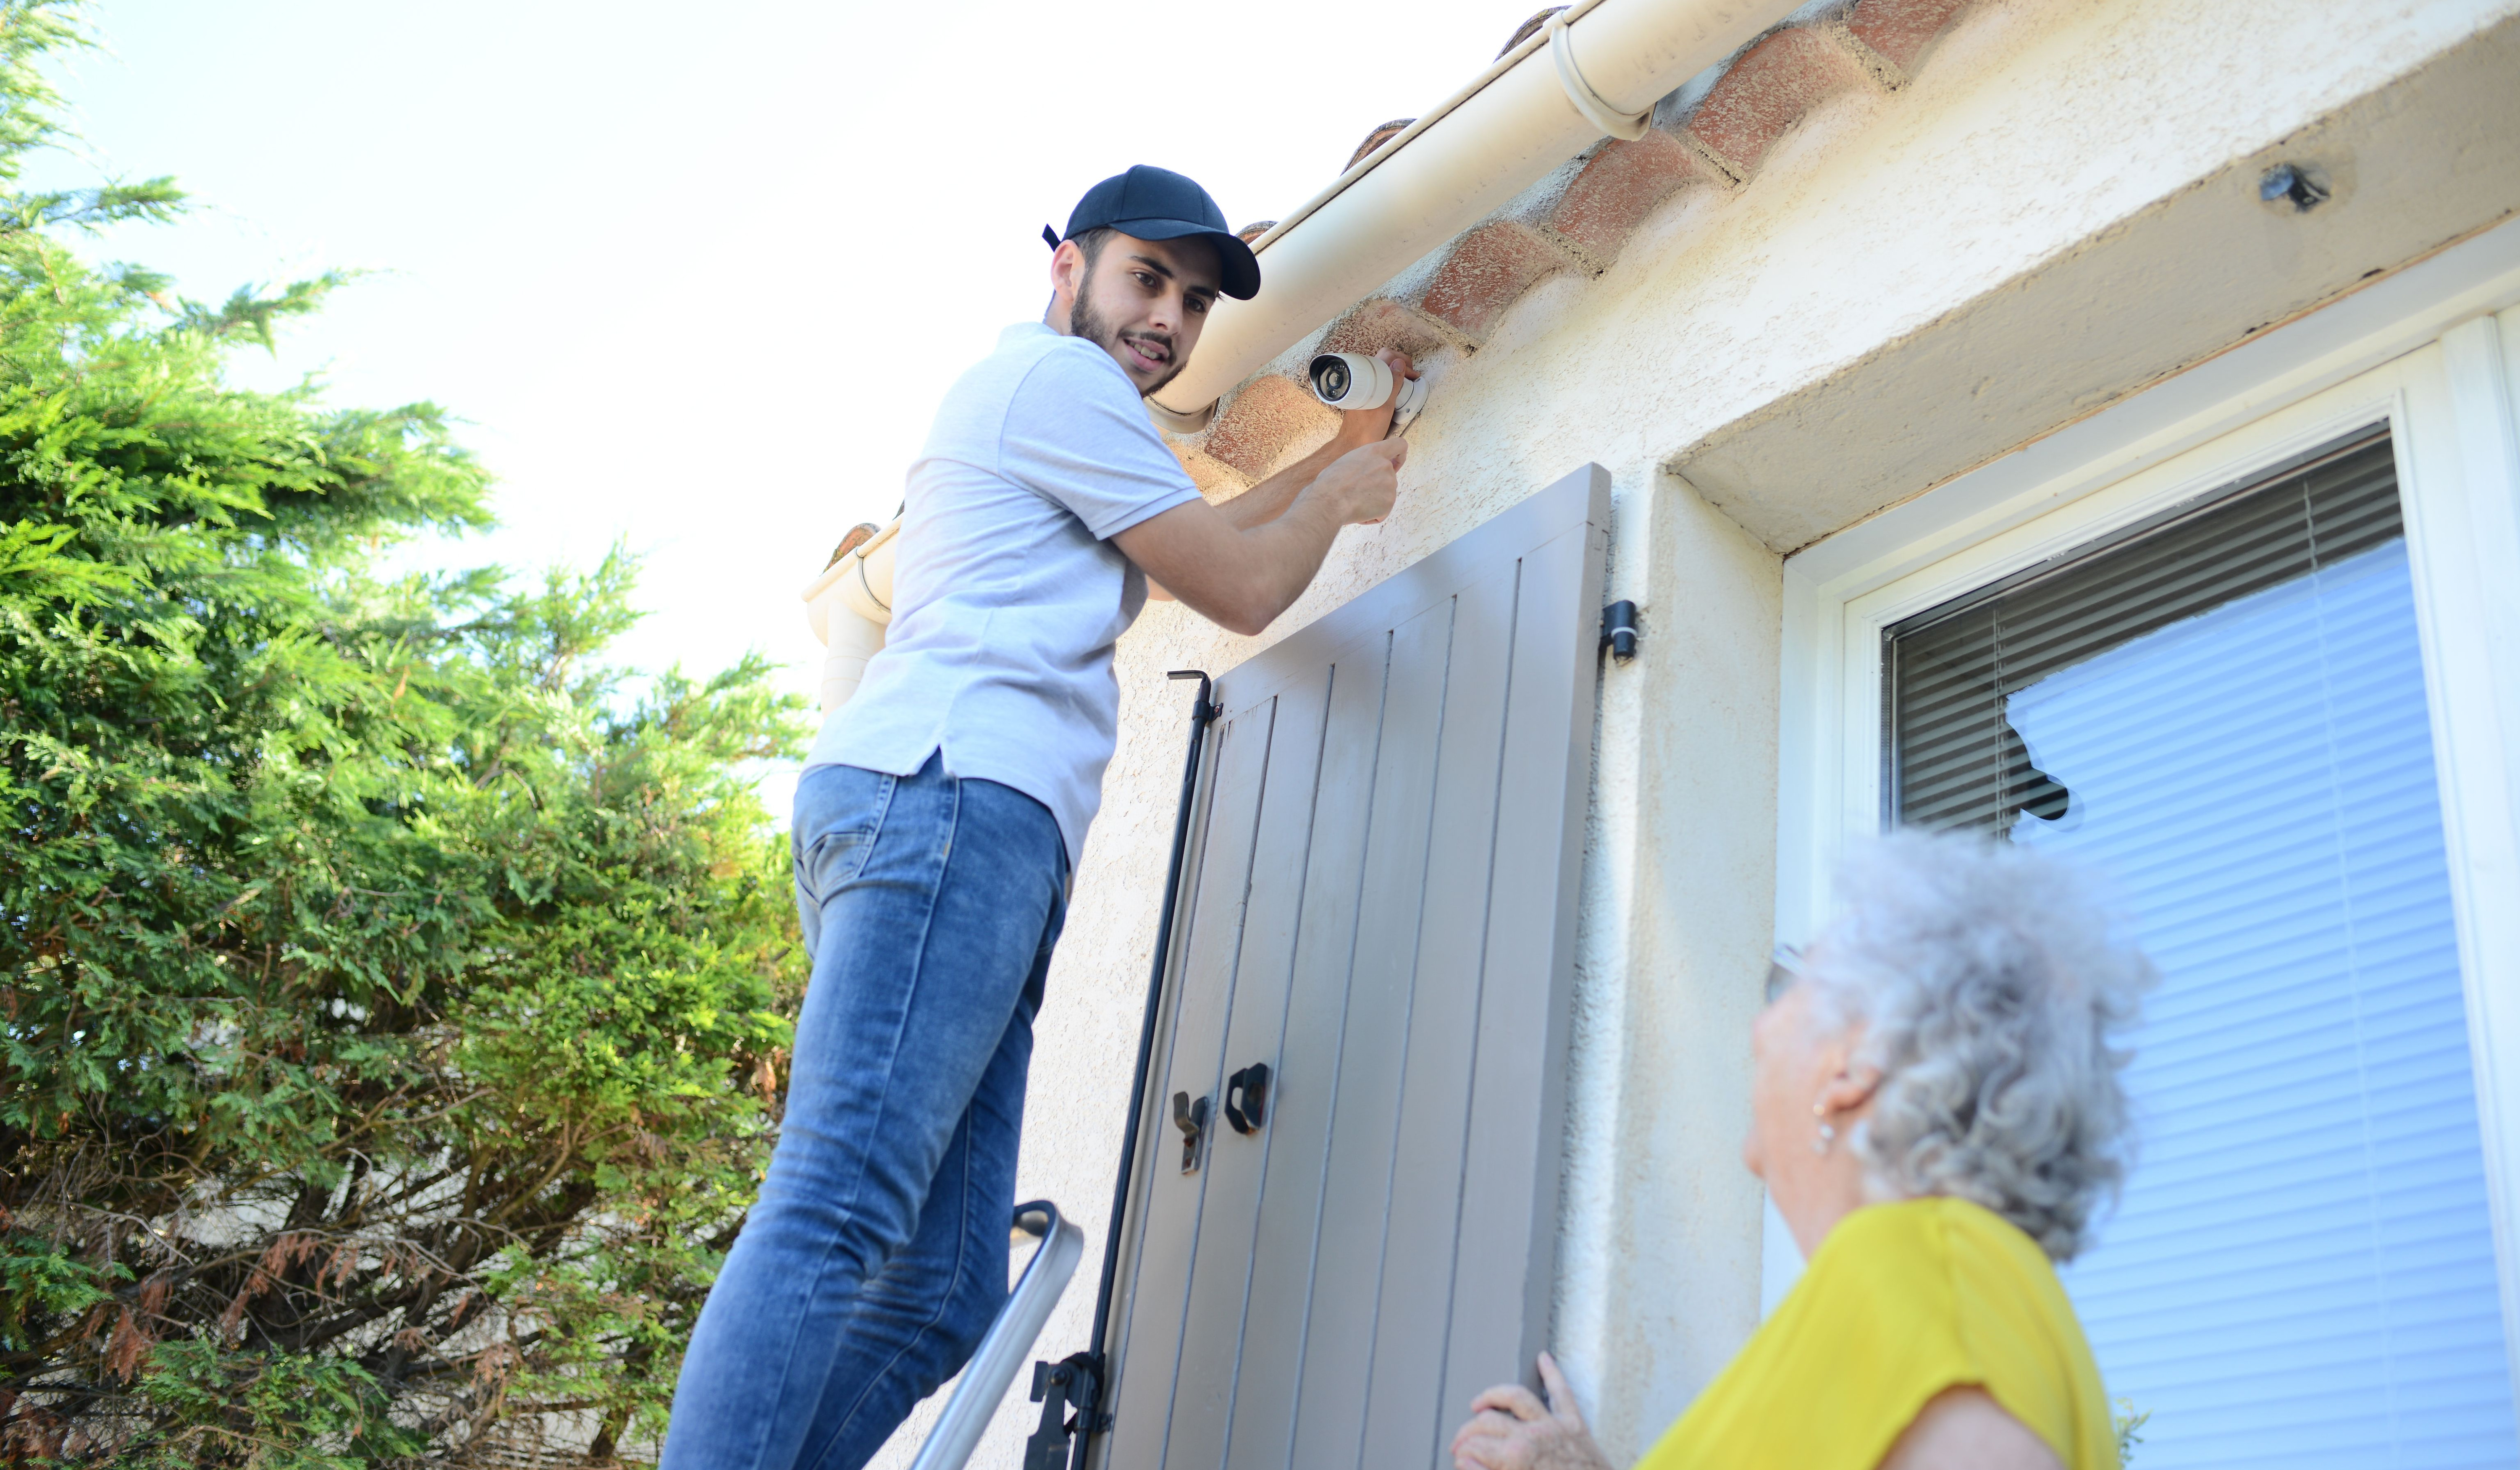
1364, 426
1361, 484
1510, 1428
1358, 427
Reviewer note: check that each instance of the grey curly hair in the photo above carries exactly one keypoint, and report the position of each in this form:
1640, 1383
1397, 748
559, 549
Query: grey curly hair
1992, 981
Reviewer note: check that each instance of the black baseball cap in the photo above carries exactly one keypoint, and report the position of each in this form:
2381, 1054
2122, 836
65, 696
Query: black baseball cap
1157, 203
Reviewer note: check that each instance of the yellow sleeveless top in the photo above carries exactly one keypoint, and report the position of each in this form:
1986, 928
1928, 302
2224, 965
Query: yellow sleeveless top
1901, 1301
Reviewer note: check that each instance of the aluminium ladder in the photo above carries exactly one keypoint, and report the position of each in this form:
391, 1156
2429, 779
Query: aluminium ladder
992, 1368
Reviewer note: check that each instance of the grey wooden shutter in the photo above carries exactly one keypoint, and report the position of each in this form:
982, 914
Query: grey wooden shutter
1380, 908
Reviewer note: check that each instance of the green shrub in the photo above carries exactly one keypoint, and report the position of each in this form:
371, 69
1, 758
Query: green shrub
391, 1003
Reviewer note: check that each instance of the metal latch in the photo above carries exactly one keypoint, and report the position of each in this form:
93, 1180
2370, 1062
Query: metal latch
1191, 1119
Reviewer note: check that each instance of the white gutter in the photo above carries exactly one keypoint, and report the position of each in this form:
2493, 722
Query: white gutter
1456, 165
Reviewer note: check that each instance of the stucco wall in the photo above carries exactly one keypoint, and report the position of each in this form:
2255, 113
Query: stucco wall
2038, 127
1659, 1250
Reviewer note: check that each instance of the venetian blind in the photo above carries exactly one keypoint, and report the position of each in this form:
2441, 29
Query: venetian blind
2225, 709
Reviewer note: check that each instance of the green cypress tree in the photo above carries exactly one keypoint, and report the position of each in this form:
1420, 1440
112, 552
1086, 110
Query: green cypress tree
392, 1004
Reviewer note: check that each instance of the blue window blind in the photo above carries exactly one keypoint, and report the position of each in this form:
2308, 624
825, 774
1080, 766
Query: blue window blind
2225, 709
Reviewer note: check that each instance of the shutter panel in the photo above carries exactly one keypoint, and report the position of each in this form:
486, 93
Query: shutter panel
1381, 909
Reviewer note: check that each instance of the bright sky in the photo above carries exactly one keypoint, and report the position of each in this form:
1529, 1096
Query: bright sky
696, 275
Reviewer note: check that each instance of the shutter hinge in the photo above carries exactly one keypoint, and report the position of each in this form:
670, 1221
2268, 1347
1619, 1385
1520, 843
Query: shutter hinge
1619, 630
1073, 1382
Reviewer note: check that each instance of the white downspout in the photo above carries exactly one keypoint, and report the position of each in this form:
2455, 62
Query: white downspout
1450, 170
848, 607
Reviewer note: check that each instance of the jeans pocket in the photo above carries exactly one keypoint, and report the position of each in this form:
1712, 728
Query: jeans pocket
832, 860
839, 812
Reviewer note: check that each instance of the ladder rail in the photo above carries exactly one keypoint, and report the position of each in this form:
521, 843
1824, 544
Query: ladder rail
992, 1369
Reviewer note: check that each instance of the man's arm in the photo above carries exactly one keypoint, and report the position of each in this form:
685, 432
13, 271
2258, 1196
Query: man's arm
1268, 500
1242, 578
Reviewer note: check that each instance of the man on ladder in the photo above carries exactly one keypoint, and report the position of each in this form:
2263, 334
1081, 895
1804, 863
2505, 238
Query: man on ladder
943, 812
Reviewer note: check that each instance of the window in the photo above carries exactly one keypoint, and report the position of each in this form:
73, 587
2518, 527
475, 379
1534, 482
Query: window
2225, 707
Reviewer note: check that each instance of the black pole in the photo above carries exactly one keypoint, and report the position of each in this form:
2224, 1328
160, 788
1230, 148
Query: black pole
1201, 714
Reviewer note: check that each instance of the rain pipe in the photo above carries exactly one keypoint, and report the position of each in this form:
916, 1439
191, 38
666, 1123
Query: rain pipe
1596, 68
849, 606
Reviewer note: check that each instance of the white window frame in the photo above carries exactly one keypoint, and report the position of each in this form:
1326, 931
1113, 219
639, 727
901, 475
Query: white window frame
2422, 352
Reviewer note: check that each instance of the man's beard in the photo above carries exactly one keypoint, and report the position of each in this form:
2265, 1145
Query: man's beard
1085, 321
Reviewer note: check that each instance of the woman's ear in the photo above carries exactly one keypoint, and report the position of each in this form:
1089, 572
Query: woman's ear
1852, 1089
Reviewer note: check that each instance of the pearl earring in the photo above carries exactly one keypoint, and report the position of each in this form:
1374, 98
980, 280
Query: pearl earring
1828, 1135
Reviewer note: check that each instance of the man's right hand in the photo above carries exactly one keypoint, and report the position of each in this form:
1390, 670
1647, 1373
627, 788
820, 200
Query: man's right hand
1364, 426
1362, 483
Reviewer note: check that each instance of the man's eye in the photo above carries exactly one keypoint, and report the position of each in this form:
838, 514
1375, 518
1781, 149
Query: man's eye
1147, 279
1198, 304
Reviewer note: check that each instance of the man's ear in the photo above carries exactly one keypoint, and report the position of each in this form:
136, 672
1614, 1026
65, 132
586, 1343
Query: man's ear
1067, 268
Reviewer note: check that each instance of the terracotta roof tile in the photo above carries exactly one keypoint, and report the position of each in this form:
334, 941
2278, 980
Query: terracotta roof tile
1383, 132
1768, 89
1487, 270
1266, 414
1522, 32
1899, 30
1385, 322
1618, 186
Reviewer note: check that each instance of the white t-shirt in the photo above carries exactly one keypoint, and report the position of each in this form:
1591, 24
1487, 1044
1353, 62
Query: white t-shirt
1006, 592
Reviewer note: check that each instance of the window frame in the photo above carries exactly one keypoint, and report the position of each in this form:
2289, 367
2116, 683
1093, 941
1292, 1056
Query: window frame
2422, 354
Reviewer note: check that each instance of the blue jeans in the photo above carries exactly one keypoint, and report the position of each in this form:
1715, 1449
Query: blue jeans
877, 1257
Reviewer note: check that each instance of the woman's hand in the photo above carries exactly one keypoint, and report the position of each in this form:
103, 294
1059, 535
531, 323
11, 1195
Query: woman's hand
1510, 1429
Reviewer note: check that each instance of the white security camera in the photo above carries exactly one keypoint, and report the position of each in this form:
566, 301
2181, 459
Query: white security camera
1354, 381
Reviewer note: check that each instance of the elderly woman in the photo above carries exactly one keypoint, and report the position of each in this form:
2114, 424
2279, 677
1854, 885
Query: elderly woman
1935, 1111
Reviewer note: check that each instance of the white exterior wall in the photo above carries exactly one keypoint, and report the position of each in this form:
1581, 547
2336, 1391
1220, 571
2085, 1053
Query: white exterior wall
2038, 128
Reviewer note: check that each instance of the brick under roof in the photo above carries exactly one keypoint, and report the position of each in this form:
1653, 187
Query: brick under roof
1713, 132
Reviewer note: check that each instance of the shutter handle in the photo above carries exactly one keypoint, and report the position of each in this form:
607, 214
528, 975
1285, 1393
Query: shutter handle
1251, 1086
1191, 1119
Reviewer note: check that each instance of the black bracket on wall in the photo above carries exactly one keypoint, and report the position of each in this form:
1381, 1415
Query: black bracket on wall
1619, 630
